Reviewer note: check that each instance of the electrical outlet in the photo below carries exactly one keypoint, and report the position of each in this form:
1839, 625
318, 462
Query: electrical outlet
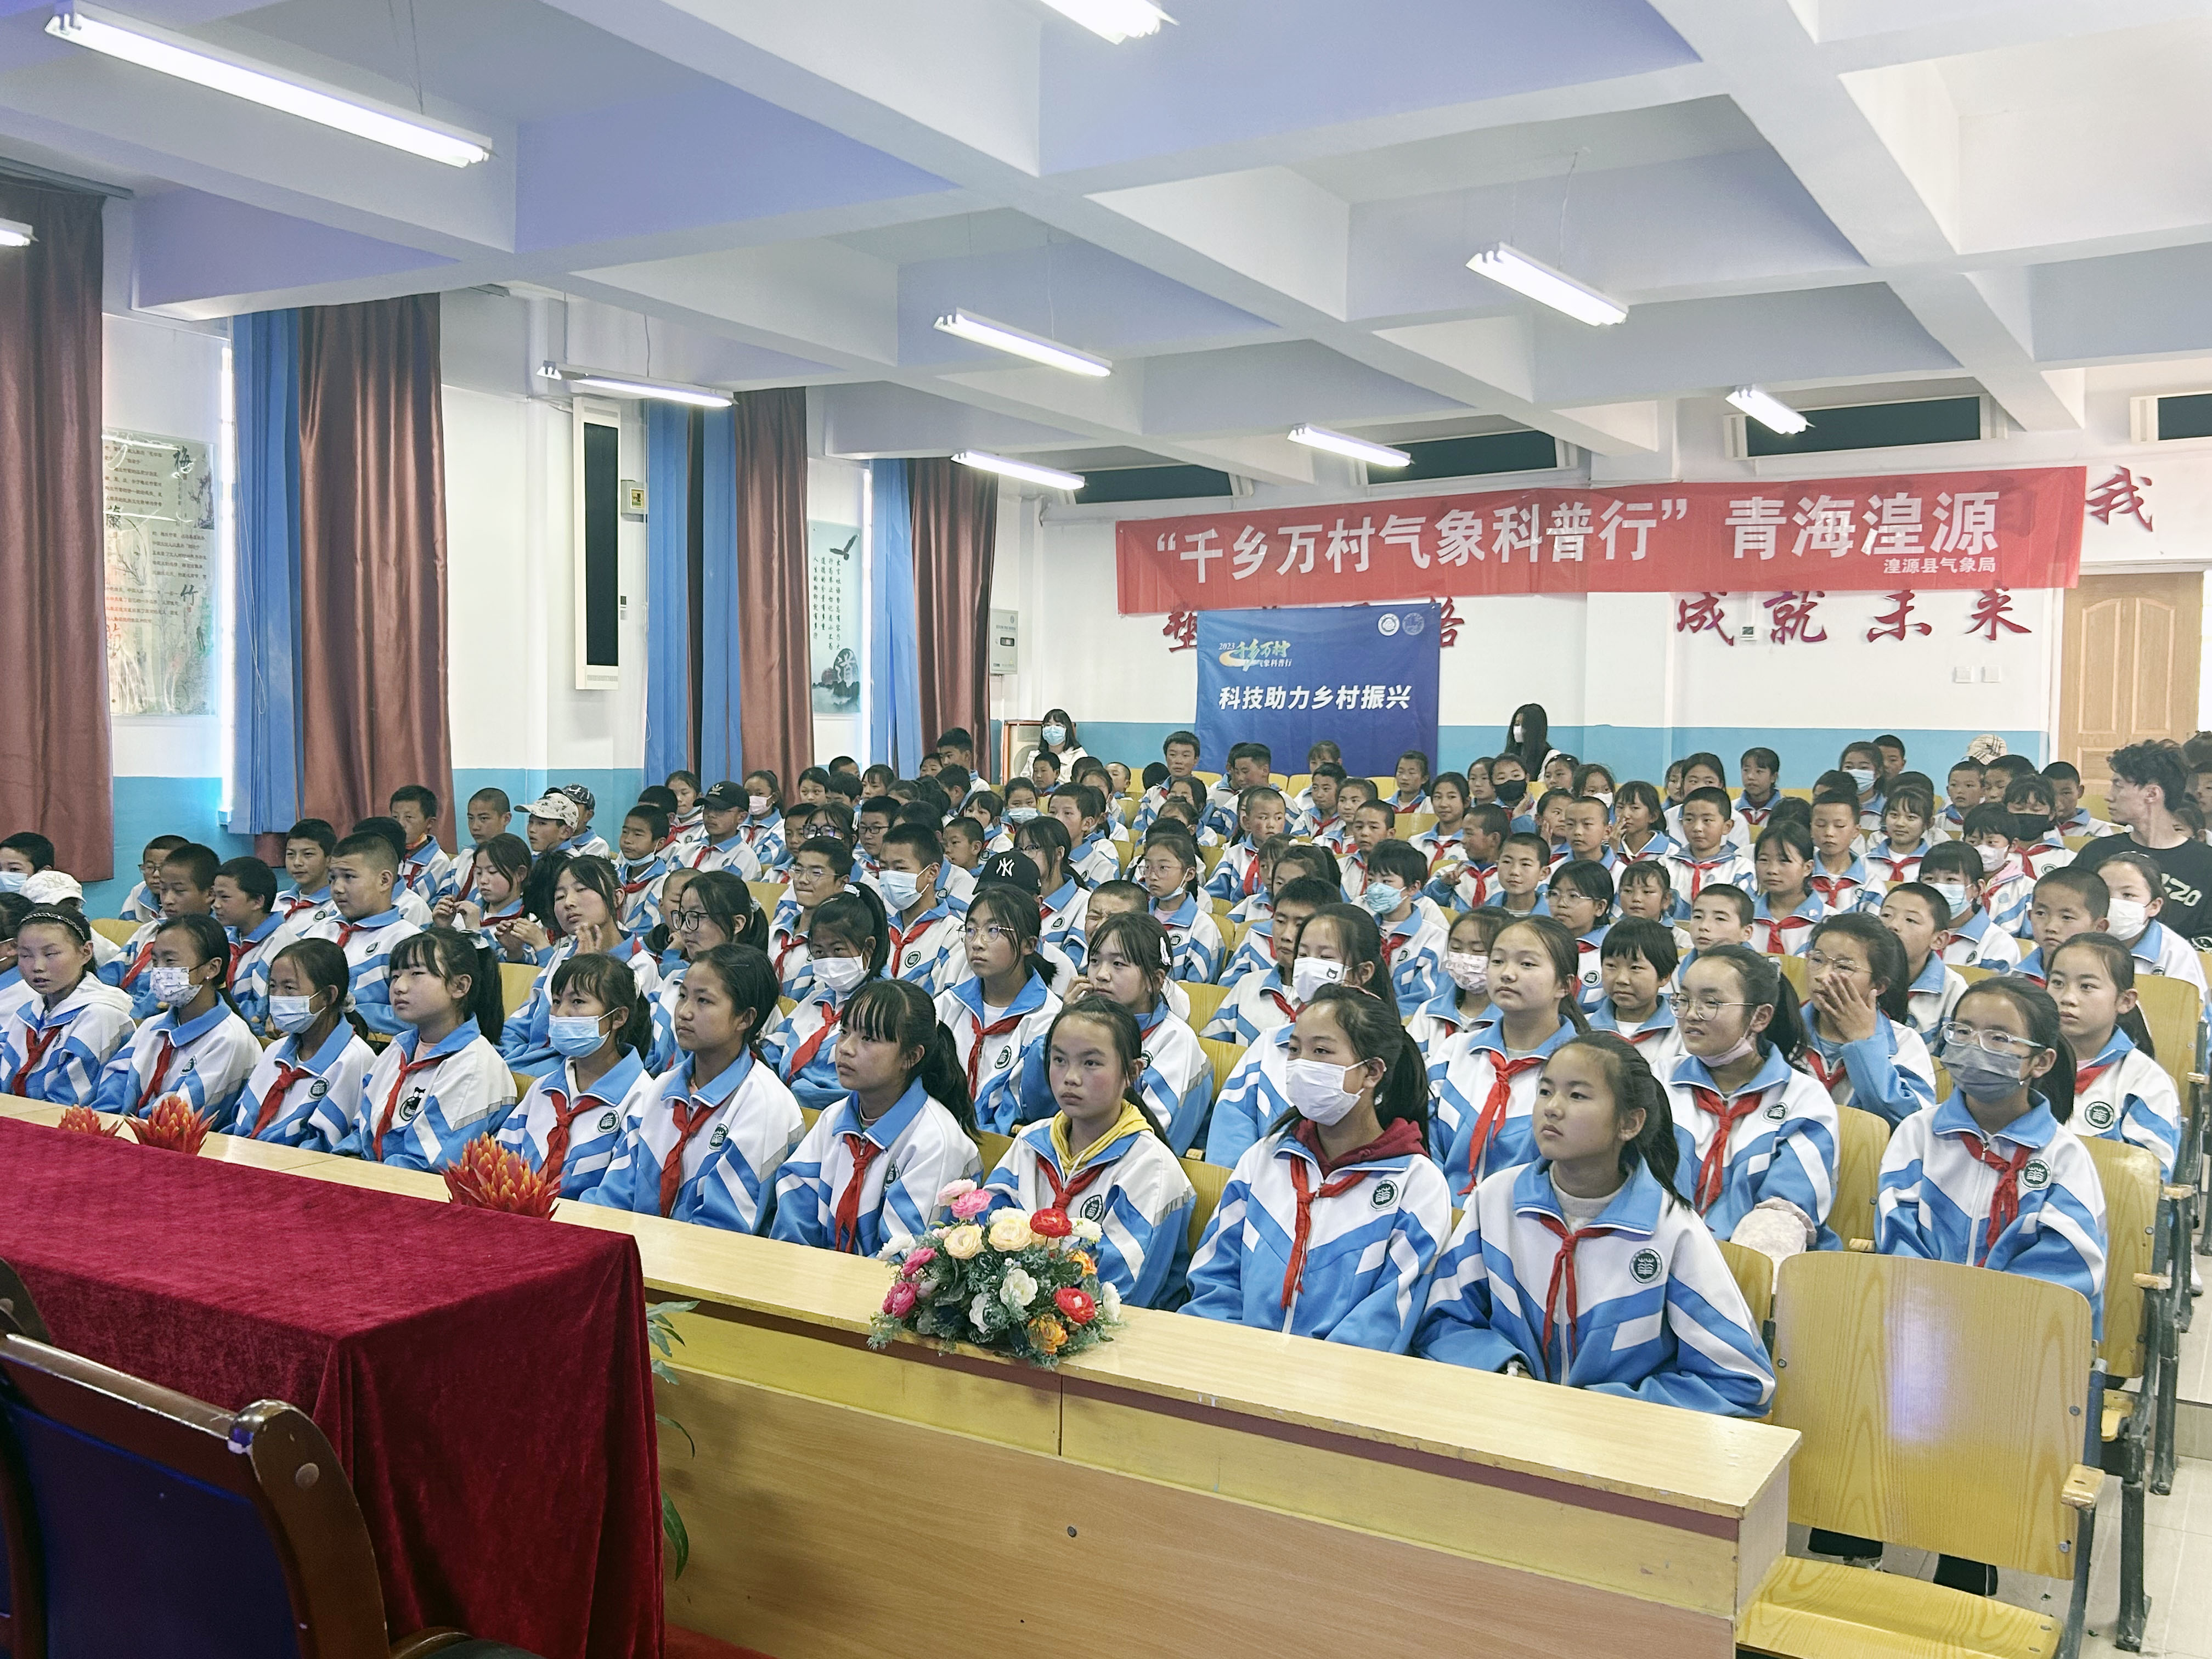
1963, 674
1991, 674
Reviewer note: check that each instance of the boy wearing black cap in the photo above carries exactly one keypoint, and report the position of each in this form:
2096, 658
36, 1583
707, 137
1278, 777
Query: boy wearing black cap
723, 809
584, 842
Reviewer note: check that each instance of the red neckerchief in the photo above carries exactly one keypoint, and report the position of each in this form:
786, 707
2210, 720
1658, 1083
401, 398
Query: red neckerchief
1502, 1073
1563, 1279
1699, 869
279, 1086
984, 1033
804, 1054
1401, 1139
690, 1116
2004, 1203
407, 1068
1712, 1169
1777, 926
1828, 886
847, 1216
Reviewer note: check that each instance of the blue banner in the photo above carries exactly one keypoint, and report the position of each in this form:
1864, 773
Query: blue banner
1363, 675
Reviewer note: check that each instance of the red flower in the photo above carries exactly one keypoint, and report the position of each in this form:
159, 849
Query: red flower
173, 1124
1051, 1224
82, 1120
489, 1177
1076, 1305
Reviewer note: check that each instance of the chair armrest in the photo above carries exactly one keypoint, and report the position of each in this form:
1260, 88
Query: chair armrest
2079, 1491
427, 1642
2153, 1281
2178, 1193
1863, 1246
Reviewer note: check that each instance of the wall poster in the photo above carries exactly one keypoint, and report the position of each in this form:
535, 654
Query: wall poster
161, 548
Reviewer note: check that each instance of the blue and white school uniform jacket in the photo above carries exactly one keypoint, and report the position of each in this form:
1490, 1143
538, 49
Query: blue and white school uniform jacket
56, 1054
1936, 1198
1369, 1247
251, 960
664, 1053
2010, 899
1974, 943
525, 1038
427, 870
1437, 1022
1464, 886
1657, 850
1730, 866
1655, 1314
2160, 950
141, 905
730, 1159
1440, 846
802, 1049
923, 1149
686, 831
1254, 953
1888, 868
1257, 1005
1784, 1146
1853, 888
1194, 937
1256, 1093
732, 855
1177, 1083
1788, 934
787, 948
641, 881
2125, 1094
126, 971
1934, 993
2082, 824
587, 844
304, 909
595, 1121
1332, 832
932, 953
1589, 966
993, 1052
1889, 1073
312, 1094
1238, 875
765, 835
1093, 858
421, 1103
367, 945
13, 993
1066, 921
205, 1060
1137, 1194
1755, 818
1413, 956
1658, 1039
1461, 1092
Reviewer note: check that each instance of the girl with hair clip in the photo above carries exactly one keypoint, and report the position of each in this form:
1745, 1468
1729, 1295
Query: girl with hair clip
2120, 1091
1860, 1042
1640, 823
1128, 967
1758, 1136
849, 942
1787, 908
1002, 1008
441, 1083
303, 1081
706, 909
568, 1125
1462, 999
1329, 1223
761, 827
704, 1140
587, 903
1487, 1089
1101, 1156
865, 1179
13, 993
1065, 900
1338, 945
1916, 913
1171, 870
1585, 1268
60, 1036
197, 1046
493, 902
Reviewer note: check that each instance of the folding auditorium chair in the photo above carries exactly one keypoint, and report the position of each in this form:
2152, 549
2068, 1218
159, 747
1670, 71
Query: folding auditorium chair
114, 929
1225, 1056
1941, 1407
2171, 1012
1205, 1001
1207, 1180
1861, 1140
1208, 856
141, 1521
768, 894
994, 1147
1754, 1272
515, 979
1796, 975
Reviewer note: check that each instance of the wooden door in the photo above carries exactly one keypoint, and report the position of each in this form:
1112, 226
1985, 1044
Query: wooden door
2128, 666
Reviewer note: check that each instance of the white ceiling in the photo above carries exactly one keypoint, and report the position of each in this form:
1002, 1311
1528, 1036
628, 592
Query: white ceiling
1262, 213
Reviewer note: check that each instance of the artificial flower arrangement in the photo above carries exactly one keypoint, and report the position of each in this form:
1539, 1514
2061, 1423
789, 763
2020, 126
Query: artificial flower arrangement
1019, 1285
172, 1124
488, 1177
83, 1121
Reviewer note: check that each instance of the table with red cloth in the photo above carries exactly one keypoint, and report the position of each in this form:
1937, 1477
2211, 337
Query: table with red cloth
484, 1378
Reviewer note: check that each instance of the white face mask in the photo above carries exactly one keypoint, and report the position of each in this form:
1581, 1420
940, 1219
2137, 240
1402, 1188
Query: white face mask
1991, 856
1954, 894
1316, 1089
2127, 918
838, 975
760, 805
1516, 730
1468, 970
1605, 795
1309, 974
171, 986
1054, 733
1861, 777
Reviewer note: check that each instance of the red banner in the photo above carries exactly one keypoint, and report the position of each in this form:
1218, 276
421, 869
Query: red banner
1921, 531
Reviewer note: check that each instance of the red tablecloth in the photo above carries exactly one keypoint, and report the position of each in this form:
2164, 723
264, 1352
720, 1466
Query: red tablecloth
483, 1377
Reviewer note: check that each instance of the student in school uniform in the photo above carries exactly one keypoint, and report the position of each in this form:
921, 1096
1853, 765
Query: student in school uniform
1488, 1086
707, 910
1703, 770
2137, 894
187, 890
762, 824
587, 903
1466, 876
2036, 843
2068, 903
1284, 862
58, 1039
821, 869
488, 813
1127, 966
2008, 886
196, 1045
2120, 1091
1585, 1268
849, 943
425, 868
1412, 779
1169, 871
1787, 909
1637, 962
1373, 823
1261, 1000
1412, 928
1523, 859
1318, 754
1906, 817
1005, 1005
1639, 824
1463, 997
409, 902
1916, 913
1590, 832
1839, 875
1444, 842
13, 992
924, 930
143, 902
2070, 816
365, 924
723, 809
1860, 1042
642, 868
705, 1141
866, 1178
22, 855
1063, 896
584, 842
1954, 870
1322, 820
441, 1083
308, 845
1580, 896
1101, 1157
492, 906
1644, 889
1759, 771
1963, 792
964, 842
1081, 810
242, 896
1707, 856
1861, 763
568, 1124
686, 823
1241, 873
1329, 1223
303, 1085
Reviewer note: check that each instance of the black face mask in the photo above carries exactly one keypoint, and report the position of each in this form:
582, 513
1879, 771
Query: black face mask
2030, 826
1511, 790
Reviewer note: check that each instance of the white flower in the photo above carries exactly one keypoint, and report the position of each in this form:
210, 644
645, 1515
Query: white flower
1109, 1301
1087, 1230
1018, 1290
979, 1311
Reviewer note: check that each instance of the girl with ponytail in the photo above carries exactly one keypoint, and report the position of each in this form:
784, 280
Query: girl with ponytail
1558, 1266
2120, 1091
1329, 1223
197, 1046
866, 1178
568, 1126
1003, 1007
1128, 965
1101, 1157
309, 1077
703, 1141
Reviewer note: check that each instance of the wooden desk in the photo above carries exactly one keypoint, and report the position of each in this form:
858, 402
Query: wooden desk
1245, 1491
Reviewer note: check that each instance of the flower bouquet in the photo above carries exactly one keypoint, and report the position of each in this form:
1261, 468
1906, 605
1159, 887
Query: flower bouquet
489, 1177
172, 1124
1024, 1286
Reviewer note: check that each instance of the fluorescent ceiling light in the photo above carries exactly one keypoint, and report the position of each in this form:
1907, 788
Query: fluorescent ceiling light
1769, 410
1320, 437
1029, 471
14, 233
1035, 347
1115, 20
190, 60
622, 386
1507, 265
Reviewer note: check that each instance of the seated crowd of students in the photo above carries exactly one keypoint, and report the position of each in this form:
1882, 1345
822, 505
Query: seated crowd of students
1554, 1010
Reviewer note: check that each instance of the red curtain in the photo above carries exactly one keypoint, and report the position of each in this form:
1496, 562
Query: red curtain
54, 762
955, 534
372, 560
775, 706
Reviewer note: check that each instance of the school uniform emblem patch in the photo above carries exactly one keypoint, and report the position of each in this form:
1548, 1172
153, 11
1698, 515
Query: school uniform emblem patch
721, 1134
318, 1089
1384, 1195
2100, 1114
2035, 1174
1643, 1267
607, 1121
1778, 1110
1094, 1208
1006, 1054
409, 1107
913, 958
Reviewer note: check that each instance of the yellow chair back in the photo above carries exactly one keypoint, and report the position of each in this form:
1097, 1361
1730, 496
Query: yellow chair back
1794, 971
114, 929
515, 979
2129, 1177
1209, 856
1754, 1272
1864, 1139
1205, 1001
1225, 1056
766, 894
1411, 824
2170, 1010
994, 1148
1207, 1180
